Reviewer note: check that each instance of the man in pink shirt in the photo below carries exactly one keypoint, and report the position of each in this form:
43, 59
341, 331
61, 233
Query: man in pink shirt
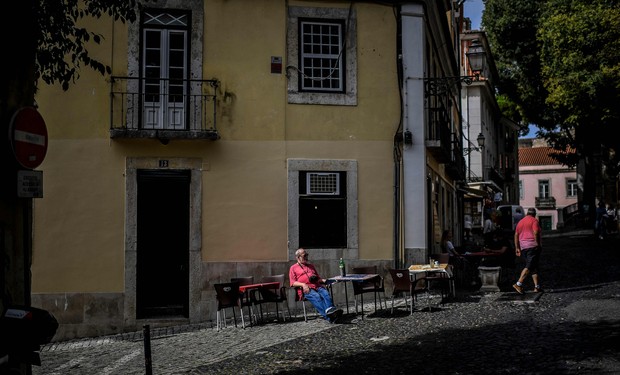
304, 277
528, 244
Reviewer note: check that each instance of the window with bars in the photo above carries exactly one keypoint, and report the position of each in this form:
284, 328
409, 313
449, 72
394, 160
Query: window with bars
321, 55
322, 210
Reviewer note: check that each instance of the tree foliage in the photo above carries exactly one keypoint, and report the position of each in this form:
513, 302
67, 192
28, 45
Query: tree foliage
62, 43
559, 62
580, 60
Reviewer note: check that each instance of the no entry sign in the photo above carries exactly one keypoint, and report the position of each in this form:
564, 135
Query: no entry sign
28, 136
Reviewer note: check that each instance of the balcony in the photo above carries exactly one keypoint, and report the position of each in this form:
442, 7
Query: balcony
456, 167
495, 176
545, 203
163, 109
438, 140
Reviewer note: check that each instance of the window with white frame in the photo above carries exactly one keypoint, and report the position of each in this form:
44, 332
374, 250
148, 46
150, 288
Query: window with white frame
543, 189
321, 50
321, 56
164, 51
521, 189
571, 187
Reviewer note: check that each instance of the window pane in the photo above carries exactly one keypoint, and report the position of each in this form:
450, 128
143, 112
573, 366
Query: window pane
322, 222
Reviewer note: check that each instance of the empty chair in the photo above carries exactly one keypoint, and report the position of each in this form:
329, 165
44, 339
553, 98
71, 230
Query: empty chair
374, 286
245, 298
227, 295
275, 294
403, 285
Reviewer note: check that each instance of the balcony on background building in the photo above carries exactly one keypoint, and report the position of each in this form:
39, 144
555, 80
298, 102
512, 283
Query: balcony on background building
163, 109
456, 167
495, 176
438, 135
545, 203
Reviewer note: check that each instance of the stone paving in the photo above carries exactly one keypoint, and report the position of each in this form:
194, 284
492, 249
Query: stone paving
572, 328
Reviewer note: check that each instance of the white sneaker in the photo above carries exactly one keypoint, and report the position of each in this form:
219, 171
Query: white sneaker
330, 310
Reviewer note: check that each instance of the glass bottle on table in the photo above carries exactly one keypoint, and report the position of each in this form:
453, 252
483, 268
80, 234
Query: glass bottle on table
341, 266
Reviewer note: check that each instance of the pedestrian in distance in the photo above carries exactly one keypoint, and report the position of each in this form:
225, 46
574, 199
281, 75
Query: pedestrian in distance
528, 246
310, 285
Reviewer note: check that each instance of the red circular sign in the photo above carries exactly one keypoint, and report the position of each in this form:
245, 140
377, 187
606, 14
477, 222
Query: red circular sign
28, 135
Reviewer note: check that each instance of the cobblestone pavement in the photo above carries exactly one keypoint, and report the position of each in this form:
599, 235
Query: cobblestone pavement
572, 328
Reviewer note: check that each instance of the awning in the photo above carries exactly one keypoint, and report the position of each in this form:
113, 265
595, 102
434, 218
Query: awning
473, 193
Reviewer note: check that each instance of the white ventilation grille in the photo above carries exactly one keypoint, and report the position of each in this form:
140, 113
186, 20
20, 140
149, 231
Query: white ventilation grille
323, 183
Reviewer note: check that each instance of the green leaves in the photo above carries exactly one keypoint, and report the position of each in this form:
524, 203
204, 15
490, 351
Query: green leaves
63, 46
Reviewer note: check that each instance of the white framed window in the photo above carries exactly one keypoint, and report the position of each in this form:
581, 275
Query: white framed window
543, 189
164, 68
321, 55
571, 187
521, 193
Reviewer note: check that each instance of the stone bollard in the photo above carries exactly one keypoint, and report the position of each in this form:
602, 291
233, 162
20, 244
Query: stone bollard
490, 278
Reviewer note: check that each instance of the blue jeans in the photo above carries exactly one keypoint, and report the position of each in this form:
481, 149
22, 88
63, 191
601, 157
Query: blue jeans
320, 299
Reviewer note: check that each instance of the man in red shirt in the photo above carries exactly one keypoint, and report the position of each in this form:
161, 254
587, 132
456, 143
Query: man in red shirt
528, 244
304, 276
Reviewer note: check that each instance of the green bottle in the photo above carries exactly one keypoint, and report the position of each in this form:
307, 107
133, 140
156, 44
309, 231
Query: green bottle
341, 265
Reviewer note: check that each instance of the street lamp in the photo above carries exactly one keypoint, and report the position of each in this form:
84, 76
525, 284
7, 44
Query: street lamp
481, 139
475, 56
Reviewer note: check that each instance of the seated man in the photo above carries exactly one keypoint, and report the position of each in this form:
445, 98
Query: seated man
304, 276
499, 245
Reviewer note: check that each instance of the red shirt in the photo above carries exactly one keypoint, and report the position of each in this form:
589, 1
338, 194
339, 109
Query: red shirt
302, 273
527, 231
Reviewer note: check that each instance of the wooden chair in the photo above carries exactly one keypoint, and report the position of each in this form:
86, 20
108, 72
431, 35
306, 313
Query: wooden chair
374, 286
403, 285
227, 295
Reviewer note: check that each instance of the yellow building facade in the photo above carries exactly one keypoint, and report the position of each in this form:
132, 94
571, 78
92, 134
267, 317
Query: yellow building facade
229, 134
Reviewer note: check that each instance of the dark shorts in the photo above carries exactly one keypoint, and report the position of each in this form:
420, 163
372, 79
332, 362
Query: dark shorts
532, 257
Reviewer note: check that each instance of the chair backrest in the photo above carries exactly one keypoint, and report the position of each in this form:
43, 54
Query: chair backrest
243, 280
401, 280
273, 293
441, 257
365, 269
227, 295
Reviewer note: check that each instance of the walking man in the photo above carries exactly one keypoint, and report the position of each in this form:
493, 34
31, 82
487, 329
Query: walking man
528, 244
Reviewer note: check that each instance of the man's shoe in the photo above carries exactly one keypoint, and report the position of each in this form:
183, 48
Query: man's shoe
538, 290
519, 289
330, 310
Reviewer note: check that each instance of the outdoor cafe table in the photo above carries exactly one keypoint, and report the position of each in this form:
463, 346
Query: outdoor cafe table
418, 269
246, 289
352, 277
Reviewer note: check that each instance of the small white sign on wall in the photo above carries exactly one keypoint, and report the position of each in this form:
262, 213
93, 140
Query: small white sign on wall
29, 184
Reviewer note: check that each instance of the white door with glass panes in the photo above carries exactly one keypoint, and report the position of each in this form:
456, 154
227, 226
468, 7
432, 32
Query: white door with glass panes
164, 84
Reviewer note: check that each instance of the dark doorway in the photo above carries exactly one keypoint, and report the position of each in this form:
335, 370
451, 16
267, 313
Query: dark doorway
163, 244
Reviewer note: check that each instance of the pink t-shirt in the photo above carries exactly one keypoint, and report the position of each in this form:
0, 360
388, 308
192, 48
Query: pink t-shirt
527, 229
302, 273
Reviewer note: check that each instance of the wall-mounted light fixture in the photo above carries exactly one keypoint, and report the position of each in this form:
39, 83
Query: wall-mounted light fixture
480, 140
476, 57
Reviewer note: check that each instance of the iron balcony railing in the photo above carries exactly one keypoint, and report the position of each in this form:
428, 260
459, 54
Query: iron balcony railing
544, 203
163, 108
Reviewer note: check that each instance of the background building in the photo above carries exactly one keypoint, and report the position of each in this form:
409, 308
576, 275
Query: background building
545, 184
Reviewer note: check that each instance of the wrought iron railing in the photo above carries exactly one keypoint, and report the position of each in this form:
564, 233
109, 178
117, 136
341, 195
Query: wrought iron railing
544, 203
150, 108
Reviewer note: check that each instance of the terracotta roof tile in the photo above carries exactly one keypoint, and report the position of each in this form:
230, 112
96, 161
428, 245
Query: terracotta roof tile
537, 156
